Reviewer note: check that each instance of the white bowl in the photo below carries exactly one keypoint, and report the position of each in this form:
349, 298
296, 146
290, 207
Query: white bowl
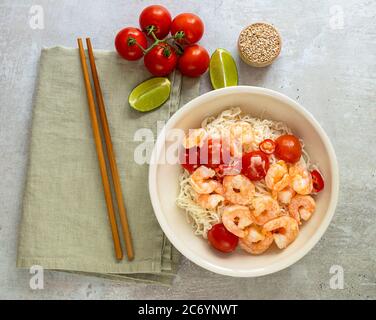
163, 181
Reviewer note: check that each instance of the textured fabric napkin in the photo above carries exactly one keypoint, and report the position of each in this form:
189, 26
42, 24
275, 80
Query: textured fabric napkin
65, 225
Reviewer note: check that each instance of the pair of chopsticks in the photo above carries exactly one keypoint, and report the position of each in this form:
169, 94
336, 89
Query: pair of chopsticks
110, 153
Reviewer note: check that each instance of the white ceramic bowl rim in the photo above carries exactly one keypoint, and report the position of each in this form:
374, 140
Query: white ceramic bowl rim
189, 252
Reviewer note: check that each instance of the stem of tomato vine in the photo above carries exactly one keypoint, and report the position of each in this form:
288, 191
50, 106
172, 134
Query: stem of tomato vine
154, 36
132, 41
141, 47
156, 41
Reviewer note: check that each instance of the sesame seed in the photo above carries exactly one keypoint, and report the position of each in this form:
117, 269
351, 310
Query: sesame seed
259, 44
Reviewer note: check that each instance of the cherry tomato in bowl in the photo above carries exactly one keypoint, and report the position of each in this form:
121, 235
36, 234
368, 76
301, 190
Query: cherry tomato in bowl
126, 46
222, 239
157, 18
161, 60
267, 146
194, 61
189, 159
255, 165
209, 155
288, 148
190, 27
317, 181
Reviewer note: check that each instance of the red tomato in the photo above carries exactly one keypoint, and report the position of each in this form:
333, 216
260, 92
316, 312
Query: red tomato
317, 181
190, 25
194, 61
125, 43
189, 159
156, 17
267, 146
222, 239
288, 148
211, 153
161, 60
255, 165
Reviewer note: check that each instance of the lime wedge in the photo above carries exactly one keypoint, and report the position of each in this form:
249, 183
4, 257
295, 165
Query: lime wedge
223, 71
150, 94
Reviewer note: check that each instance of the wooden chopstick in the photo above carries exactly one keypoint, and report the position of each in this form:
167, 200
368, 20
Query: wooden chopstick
100, 154
110, 153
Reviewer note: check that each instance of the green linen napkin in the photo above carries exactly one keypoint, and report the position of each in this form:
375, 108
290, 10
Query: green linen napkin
65, 225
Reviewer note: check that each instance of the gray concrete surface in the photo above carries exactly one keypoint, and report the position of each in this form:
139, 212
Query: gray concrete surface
327, 64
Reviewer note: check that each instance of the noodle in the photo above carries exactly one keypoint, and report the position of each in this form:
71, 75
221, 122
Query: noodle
200, 218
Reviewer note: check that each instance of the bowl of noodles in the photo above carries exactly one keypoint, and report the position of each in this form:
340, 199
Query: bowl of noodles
243, 181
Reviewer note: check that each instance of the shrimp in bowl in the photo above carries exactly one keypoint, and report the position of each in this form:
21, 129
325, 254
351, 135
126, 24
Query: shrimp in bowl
259, 192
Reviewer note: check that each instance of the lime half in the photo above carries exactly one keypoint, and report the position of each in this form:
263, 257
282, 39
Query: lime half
150, 94
223, 71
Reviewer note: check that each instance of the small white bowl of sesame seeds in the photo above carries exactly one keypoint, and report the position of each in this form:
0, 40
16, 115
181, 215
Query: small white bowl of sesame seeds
259, 44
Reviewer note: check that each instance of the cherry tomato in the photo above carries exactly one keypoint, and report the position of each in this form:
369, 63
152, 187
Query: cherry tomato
288, 148
222, 239
211, 153
156, 17
189, 159
317, 181
194, 61
161, 60
255, 165
267, 146
190, 26
125, 43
